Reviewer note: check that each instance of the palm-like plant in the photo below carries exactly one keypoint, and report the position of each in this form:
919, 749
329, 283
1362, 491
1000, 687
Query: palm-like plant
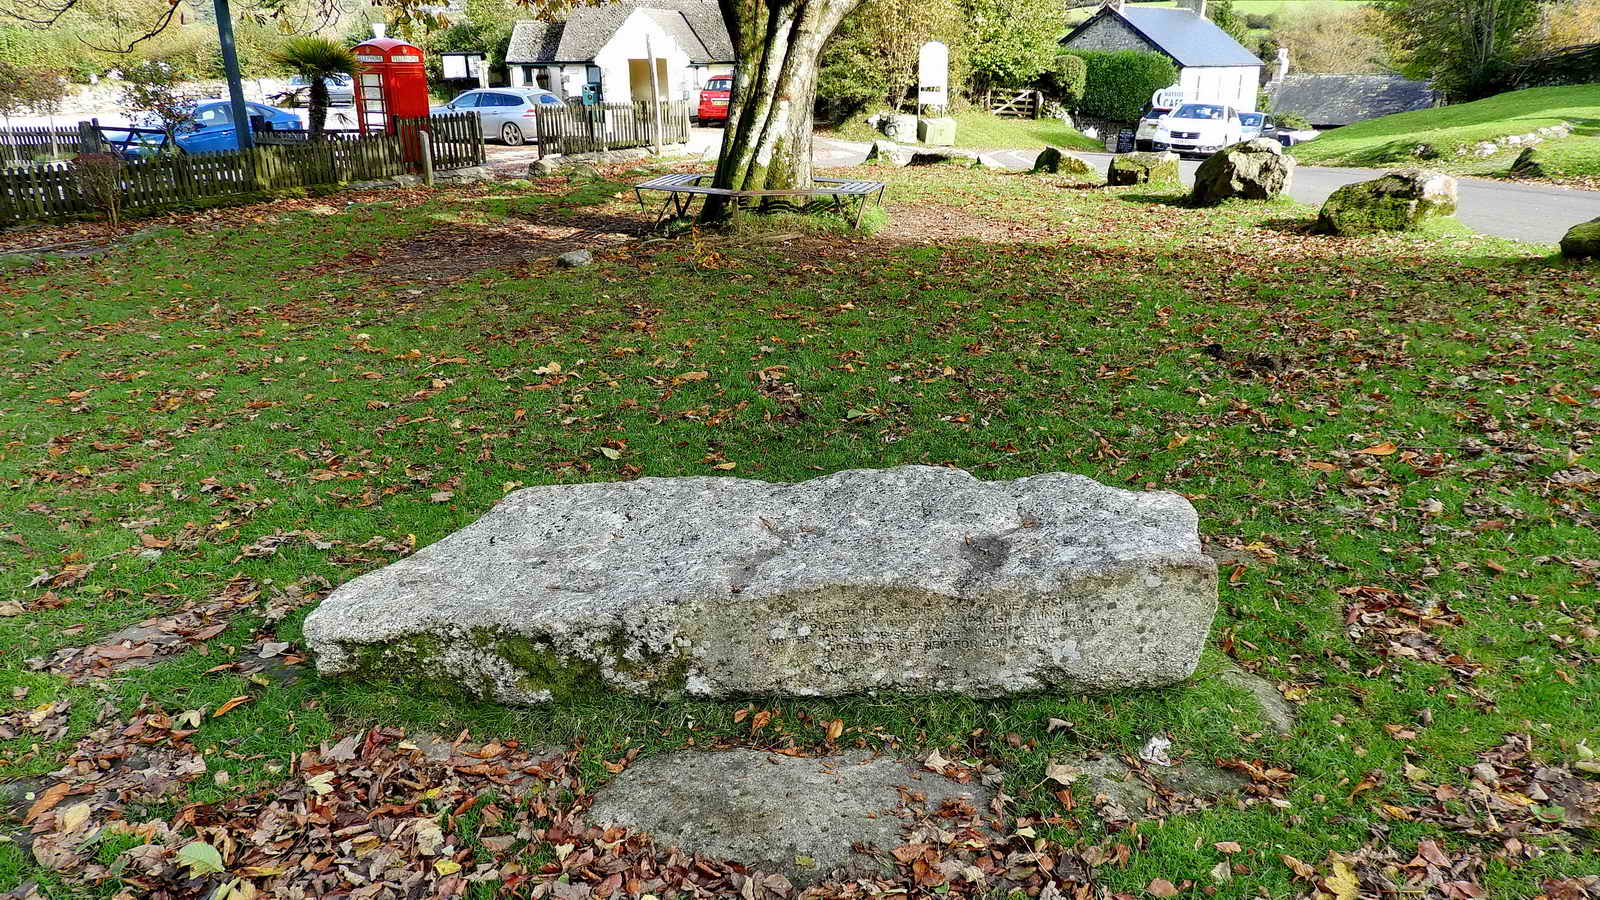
314, 59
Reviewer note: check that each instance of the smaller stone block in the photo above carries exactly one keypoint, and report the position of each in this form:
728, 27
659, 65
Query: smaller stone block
1143, 168
890, 153
1054, 160
801, 817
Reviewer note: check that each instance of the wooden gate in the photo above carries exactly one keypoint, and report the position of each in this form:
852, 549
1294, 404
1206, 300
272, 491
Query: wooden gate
1017, 104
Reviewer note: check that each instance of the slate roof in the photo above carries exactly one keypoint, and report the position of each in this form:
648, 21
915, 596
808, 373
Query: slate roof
1333, 100
696, 25
1188, 38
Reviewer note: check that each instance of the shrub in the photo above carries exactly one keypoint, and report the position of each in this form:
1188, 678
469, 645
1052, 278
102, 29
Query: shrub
1065, 80
1120, 82
1292, 121
99, 178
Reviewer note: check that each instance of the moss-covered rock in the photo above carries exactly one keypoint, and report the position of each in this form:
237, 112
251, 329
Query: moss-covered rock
1056, 161
1398, 201
1143, 168
1253, 170
1582, 241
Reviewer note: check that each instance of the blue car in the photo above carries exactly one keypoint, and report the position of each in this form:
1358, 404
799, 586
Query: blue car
211, 129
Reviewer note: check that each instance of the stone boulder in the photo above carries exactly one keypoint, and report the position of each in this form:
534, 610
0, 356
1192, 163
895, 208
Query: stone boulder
1397, 201
1055, 161
917, 579
937, 131
1254, 170
1529, 164
898, 126
889, 152
800, 817
1582, 241
1143, 168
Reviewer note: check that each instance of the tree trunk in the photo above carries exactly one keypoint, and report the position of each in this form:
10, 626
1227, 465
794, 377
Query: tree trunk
317, 107
766, 144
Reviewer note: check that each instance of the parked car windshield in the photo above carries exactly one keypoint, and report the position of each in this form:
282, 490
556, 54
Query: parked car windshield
1200, 111
720, 84
1156, 112
1253, 120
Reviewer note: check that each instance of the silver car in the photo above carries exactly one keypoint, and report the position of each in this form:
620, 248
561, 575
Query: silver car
341, 90
505, 113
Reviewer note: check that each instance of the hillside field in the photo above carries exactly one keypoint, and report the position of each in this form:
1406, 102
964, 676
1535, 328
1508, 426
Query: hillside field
1390, 141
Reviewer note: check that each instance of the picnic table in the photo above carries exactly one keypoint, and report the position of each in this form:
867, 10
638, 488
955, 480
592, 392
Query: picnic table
681, 189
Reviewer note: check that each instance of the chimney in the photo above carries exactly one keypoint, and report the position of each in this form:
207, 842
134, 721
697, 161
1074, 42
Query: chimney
1116, 5
1198, 7
1283, 64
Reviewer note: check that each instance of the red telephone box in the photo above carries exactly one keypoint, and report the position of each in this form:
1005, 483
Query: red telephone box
392, 85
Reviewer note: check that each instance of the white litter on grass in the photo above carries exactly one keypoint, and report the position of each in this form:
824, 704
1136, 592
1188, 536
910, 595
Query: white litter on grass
1155, 751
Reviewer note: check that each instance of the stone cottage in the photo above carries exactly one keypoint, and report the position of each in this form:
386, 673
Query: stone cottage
610, 47
1212, 66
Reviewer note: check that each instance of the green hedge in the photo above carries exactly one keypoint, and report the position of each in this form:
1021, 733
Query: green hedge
1065, 80
1120, 82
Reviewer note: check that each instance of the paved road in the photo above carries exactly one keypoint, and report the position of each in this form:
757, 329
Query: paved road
1537, 213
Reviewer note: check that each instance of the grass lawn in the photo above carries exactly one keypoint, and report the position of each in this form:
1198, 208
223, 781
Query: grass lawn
979, 130
1391, 443
1391, 139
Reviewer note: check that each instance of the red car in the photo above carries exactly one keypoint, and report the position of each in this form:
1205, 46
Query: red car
714, 100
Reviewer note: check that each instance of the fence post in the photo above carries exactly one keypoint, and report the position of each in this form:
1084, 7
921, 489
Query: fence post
427, 157
88, 137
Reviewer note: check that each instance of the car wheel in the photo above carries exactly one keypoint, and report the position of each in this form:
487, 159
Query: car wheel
511, 134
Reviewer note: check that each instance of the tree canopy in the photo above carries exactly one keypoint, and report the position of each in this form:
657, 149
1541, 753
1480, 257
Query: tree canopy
1466, 47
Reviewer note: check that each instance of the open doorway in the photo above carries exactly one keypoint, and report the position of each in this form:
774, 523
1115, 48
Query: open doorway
639, 79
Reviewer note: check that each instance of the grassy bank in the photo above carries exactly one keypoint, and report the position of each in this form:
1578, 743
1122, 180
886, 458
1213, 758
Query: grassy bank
1394, 468
1391, 140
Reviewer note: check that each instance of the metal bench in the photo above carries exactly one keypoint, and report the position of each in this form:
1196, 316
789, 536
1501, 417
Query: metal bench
681, 189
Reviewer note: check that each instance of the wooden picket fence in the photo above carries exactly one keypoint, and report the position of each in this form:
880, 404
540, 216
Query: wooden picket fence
24, 144
575, 128
456, 137
56, 190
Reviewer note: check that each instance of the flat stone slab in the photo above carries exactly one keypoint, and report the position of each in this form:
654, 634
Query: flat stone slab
795, 816
1118, 793
917, 579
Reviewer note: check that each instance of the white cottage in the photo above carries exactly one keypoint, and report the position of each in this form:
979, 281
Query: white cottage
1212, 66
610, 45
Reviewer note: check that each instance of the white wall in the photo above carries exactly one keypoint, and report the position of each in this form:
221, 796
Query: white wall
629, 43
1234, 86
